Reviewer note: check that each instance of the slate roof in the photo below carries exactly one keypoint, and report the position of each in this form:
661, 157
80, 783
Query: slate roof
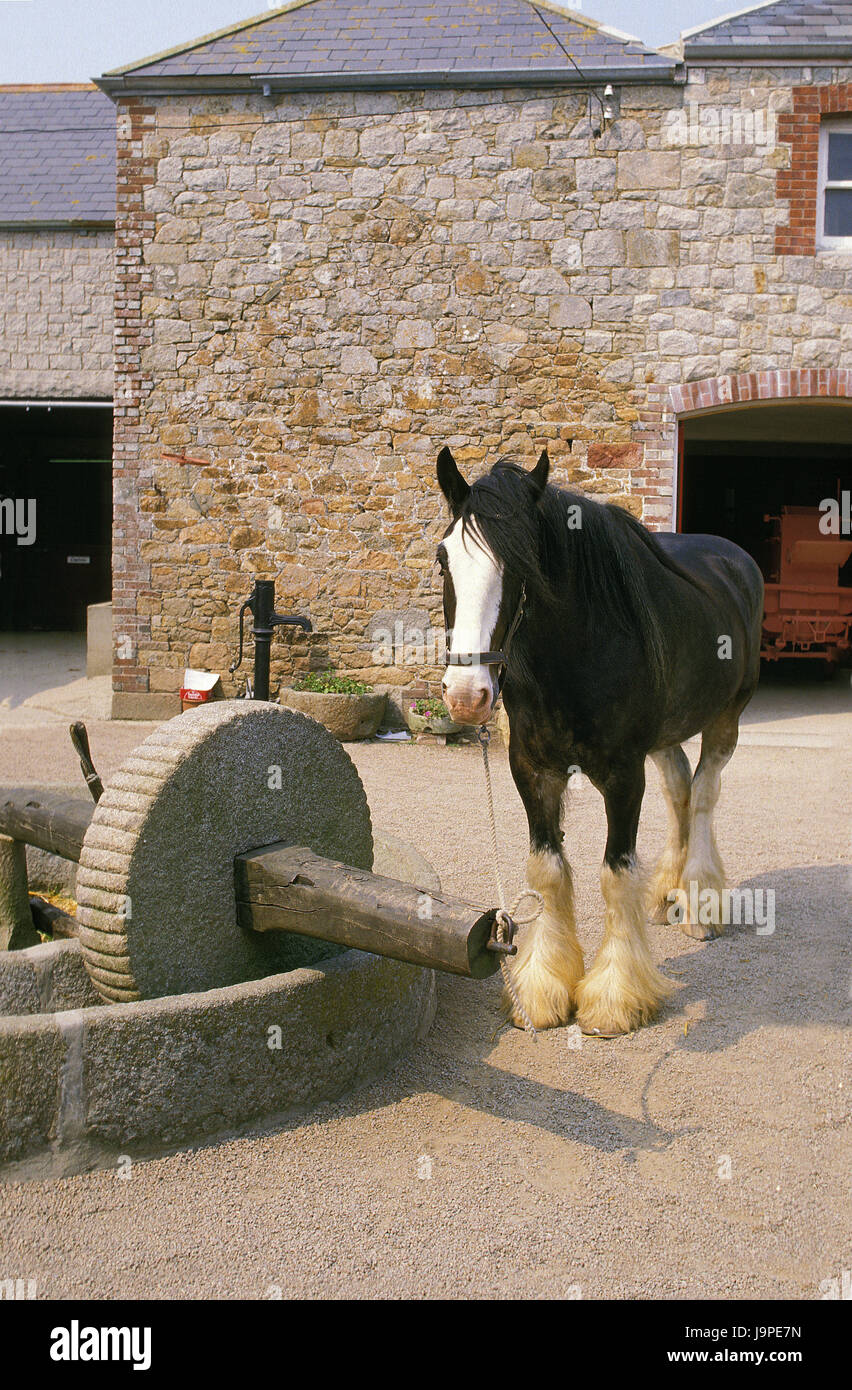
57, 156
345, 42
782, 28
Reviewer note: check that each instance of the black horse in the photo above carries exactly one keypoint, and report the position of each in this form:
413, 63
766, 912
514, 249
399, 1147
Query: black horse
620, 645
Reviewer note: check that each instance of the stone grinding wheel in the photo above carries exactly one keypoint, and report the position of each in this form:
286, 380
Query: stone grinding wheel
155, 886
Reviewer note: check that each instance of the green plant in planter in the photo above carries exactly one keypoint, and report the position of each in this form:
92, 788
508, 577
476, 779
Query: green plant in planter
431, 715
430, 709
326, 683
349, 708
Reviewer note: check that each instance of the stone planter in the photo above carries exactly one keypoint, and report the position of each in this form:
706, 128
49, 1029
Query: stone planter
348, 717
419, 724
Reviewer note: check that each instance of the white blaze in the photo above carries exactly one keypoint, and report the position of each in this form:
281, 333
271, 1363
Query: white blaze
478, 583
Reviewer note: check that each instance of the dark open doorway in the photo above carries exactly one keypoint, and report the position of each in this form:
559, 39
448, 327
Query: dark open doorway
741, 469
55, 555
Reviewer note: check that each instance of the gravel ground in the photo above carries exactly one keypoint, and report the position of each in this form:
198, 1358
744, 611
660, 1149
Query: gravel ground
705, 1156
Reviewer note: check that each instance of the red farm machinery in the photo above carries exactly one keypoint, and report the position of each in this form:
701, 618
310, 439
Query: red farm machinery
808, 613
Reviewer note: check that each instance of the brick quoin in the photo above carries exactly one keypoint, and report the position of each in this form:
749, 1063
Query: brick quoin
655, 431
798, 184
131, 474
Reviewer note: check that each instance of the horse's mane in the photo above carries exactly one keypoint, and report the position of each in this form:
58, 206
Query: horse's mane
599, 567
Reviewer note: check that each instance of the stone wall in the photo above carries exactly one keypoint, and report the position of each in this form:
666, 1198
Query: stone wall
56, 288
318, 291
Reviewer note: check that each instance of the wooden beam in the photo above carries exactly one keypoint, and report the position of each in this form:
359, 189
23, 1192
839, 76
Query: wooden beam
57, 825
52, 920
286, 888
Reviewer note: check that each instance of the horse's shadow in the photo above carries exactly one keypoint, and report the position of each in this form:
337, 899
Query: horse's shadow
795, 975
472, 1080
799, 975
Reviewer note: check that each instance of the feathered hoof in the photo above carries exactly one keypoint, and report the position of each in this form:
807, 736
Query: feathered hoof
702, 910
546, 1008
662, 892
701, 931
614, 1020
659, 910
603, 1011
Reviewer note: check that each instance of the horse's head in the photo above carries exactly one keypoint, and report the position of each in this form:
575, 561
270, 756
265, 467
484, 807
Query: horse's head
482, 597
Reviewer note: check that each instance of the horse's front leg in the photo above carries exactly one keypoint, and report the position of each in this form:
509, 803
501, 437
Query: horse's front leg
549, 963
624, 988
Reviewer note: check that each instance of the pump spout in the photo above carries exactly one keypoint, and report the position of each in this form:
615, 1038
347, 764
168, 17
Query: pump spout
292, 621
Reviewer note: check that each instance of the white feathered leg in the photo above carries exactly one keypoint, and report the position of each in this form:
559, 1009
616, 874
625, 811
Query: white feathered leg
549, 962
624, 988
703, 876
673, 766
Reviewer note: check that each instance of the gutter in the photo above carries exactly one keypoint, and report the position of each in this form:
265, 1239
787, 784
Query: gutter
65, 224
477, 79
56, 403
806, 54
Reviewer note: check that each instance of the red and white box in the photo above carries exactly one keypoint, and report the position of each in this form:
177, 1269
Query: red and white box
199, 687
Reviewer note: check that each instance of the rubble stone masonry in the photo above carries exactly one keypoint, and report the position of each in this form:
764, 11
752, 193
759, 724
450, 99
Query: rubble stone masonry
56, 289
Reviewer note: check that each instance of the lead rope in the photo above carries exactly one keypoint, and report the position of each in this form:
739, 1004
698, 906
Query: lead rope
502, 914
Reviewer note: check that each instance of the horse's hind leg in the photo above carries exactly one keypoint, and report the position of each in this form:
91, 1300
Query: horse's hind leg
673, 766
549, 963
703, 877
624, 988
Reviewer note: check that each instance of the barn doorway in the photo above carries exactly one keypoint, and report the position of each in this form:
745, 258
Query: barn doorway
742, 470
55, 514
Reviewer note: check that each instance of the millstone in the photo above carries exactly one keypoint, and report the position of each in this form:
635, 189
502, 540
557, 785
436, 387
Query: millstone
155, 886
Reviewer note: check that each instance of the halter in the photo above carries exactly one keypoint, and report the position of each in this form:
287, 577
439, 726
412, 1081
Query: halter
500, 658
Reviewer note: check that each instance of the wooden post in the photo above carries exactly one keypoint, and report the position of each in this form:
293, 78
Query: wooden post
16, 920
282, 888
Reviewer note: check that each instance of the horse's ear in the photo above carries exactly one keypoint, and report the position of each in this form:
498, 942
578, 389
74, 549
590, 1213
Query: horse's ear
452, 484
538, 476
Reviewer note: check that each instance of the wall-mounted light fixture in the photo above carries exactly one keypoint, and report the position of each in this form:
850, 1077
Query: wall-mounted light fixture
605, 107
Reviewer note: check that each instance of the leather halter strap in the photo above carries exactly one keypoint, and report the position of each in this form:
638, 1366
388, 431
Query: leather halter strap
500, 658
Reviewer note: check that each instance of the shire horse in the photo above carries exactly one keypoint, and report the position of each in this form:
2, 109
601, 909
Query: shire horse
617, 644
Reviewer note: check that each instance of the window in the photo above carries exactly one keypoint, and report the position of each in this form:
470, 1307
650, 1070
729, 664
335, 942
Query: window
834, 214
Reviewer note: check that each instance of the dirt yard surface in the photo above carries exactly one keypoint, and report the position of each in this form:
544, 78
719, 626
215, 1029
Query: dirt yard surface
705, 1156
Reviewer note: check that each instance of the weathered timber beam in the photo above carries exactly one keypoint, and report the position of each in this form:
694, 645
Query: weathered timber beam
57, 826
286, 888
51, 919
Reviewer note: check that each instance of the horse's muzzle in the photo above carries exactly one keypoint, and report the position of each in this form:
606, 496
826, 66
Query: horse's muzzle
470, 704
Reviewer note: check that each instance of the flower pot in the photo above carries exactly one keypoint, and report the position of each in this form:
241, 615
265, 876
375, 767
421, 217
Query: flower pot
419, 724
348, 717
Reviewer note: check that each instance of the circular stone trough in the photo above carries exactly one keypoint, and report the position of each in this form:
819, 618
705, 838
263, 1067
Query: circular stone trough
82, 1081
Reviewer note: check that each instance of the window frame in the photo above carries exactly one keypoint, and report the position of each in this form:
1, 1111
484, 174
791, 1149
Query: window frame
824, 184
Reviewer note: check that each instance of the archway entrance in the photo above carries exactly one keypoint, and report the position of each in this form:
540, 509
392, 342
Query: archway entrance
762, 474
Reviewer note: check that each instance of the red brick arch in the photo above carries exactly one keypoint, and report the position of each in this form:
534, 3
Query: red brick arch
794, 384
